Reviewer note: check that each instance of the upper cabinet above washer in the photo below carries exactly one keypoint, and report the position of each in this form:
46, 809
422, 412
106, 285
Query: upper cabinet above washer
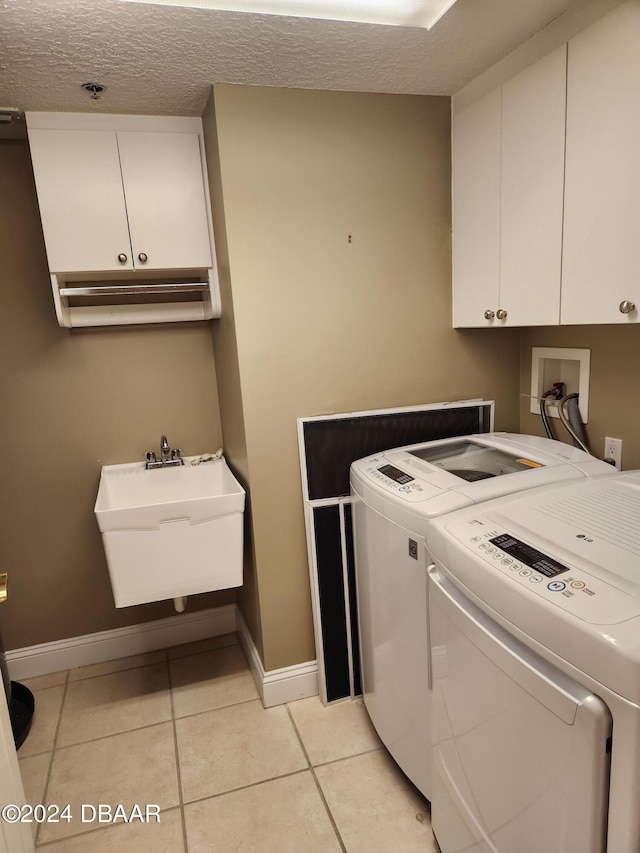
531, 192
124, 199
508, 171
546, 187
601, 251
476, 211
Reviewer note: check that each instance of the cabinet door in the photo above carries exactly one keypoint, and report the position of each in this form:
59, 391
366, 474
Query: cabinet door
166, 207
533, 134
81, 200
476, 212
601, 252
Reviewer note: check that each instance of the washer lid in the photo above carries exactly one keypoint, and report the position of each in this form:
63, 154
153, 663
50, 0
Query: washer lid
471, 469
472, 460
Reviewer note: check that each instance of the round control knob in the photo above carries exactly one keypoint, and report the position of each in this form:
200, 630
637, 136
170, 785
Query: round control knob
501, 314
489, 314
122, 258
142, 258
627, 307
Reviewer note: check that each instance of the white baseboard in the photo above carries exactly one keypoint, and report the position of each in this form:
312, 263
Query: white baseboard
278, 685
121, 642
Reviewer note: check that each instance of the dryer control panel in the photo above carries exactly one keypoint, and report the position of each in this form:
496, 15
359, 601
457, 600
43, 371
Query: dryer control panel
574, 590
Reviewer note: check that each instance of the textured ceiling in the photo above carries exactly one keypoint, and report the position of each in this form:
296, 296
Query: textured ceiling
161, 60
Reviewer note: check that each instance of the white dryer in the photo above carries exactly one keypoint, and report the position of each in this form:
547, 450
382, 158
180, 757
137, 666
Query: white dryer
535, 641
395, 493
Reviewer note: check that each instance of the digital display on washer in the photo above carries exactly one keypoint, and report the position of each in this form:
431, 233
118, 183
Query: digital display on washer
396, 474
528, 555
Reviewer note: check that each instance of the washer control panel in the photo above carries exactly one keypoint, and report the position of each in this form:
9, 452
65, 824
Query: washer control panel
576, 591
398, 482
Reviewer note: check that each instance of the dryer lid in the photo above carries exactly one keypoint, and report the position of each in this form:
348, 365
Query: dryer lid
595, 523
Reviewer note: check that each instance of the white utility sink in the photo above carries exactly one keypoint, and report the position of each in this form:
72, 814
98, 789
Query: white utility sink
170, 532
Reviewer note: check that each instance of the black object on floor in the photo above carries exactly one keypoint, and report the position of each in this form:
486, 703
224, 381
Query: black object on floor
21, 708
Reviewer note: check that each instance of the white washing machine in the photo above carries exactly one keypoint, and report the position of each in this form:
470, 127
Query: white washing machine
534, 611
395, 493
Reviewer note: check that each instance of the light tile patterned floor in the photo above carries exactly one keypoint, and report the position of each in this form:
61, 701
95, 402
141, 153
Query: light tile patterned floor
184, 729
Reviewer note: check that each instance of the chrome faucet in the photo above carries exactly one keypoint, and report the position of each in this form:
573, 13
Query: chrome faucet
167, 456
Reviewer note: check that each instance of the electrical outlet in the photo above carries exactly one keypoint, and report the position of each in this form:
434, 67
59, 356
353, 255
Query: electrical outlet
613, 451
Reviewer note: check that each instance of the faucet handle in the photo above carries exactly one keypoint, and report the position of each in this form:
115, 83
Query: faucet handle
151, 462
176, 453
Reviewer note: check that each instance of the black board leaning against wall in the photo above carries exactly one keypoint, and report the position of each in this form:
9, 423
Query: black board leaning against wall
328, 446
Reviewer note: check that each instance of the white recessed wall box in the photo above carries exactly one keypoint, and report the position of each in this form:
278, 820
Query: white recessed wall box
126, 216
560, 364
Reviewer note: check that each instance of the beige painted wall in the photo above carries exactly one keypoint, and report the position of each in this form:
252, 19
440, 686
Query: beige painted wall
225, 346
614, 401
324, 323
71, 402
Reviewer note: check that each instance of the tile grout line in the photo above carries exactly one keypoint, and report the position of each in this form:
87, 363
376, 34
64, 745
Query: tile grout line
347, 757
204, 651
130, 668
316, 782
143, 665
149, 725
167, 661
246, 787
117, 671
57, 748
53, 751
137, 728
220, 708
177, 754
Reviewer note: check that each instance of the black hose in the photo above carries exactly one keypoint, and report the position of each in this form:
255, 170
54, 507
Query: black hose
572, 421
543, 414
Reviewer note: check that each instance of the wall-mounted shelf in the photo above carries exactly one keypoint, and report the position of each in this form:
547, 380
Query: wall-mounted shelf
129, 289
80, 302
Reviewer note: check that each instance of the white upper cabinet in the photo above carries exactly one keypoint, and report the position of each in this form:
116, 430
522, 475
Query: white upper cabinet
117, 200
508, 169
476, 211
533, 130
82, 207
125, 211
166, 209
601, 251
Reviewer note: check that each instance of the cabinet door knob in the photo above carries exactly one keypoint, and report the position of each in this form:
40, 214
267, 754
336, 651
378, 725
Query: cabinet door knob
142, 258
489, 314
627, 307
501, 314
122, 258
